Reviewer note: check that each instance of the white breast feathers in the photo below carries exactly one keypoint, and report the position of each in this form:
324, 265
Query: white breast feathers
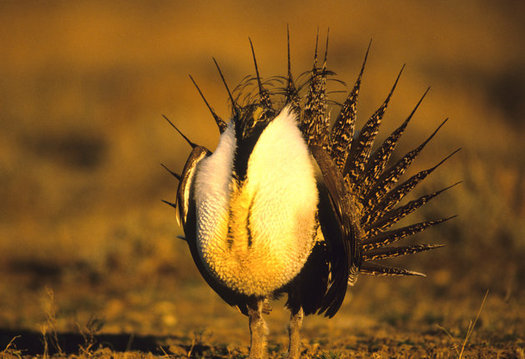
255, 236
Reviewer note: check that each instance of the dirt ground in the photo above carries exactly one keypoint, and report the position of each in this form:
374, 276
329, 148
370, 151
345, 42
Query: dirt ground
162, 317
90, 263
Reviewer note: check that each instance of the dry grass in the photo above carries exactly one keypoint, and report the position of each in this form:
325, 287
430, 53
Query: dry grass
89, 259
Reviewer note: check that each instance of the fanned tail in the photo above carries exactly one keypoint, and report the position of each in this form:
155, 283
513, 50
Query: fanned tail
370, 183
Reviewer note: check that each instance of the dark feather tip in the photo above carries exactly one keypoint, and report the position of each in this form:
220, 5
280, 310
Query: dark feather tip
174, 174
170, 204
220, 123
193, 145
234, 104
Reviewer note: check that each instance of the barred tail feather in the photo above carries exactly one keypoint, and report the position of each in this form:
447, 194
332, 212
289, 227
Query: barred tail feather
392, 175
381, 156
362, 145
394, 216
315, 120
399, 192
391, 252
344, 126
386, 238
371, 268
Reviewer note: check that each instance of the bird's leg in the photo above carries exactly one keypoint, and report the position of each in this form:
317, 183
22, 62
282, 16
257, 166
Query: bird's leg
294, 327
258, 329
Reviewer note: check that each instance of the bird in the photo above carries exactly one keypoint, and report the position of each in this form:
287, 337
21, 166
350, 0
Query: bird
290, 203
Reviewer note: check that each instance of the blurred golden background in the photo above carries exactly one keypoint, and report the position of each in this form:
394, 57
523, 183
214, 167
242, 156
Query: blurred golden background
84, 83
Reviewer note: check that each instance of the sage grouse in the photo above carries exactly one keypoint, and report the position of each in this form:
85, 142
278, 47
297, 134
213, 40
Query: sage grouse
290, 204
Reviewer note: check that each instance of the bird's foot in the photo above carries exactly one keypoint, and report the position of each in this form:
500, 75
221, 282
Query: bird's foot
294, 327
258, 329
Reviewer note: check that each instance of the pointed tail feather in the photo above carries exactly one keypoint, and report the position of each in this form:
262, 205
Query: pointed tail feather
192, 144
398, 193
263, 93
381, 156
382, 270
326, 49
386, 238
220, 123
394, 216
316, 47
362, 145
391, 176
316, 120
174, 174
235, 108
391, 252
291, 93
171, 204
344, 126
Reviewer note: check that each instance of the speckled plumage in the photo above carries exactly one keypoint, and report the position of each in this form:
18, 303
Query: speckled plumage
288, 204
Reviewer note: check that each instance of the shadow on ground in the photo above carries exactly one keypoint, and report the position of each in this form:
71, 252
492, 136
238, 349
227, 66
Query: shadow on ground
33, 343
